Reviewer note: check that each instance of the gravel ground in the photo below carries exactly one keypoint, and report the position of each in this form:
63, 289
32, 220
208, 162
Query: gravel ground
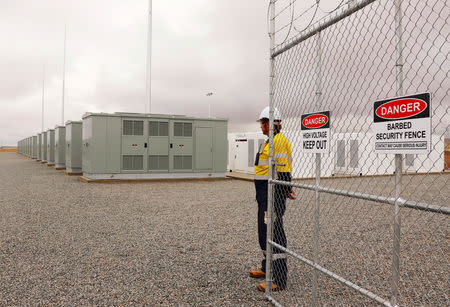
64, 242
356, 242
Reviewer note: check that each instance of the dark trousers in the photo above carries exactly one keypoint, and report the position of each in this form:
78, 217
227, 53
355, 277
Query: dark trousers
279, 264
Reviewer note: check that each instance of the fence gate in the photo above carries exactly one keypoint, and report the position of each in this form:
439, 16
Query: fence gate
366, 228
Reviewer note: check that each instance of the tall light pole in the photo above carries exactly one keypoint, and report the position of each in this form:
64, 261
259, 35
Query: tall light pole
209, 105
43, 92
148, 84
64, 78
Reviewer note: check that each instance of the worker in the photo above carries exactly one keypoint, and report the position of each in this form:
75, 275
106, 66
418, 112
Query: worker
282, 157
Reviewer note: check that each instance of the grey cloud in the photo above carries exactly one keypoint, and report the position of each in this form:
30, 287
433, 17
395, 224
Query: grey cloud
198, 47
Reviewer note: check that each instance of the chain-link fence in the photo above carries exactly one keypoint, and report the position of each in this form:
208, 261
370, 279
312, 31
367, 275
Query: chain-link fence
366, 227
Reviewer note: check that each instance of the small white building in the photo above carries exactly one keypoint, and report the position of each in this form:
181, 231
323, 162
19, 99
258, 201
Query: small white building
351, 154
242, 150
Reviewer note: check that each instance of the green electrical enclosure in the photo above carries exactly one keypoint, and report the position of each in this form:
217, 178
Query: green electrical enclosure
152, 146
39, 146
73, 146
51, 146
34, 149
60, 147
44, 147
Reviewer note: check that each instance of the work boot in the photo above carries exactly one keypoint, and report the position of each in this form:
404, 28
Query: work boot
291, 194
262, 287
257, 274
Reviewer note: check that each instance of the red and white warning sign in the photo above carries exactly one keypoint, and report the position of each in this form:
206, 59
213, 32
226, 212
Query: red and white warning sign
403, 125
315, 132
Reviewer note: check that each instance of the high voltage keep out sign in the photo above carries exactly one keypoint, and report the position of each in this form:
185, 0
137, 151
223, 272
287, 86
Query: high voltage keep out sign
403, 125
315, 132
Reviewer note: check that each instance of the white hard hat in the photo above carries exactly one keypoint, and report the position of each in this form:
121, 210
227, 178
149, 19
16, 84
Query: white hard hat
265, 114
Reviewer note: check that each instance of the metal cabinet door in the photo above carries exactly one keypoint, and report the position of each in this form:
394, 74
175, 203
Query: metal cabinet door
49, 157
181, 146
55, 147
241, 155
347, 157
86, 149
158, 145
39, 147
204, 148
51, 147
69, 149
44, 147
134, 145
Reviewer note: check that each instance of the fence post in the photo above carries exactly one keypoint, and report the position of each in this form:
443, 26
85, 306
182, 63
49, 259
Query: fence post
315, 290
271, 170
398, 159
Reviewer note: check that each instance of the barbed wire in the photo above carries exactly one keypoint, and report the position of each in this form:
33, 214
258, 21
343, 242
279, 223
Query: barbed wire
293, 19
335, 9
311, 21
298, 17
291, 23
284, 9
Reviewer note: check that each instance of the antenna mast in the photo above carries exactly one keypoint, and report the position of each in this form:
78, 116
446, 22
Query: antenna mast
43, 89
64, 78
148, 85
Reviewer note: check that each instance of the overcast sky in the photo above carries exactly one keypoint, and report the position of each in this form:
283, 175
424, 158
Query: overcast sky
199, 46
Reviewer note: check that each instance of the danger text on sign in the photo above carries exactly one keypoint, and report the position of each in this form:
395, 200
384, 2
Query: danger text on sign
403, 125
315, 132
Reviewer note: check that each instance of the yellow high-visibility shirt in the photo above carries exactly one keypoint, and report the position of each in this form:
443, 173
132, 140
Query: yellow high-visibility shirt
282, 155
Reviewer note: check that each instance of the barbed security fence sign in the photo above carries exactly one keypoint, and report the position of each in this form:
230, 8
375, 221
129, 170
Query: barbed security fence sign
315, 132
402, 125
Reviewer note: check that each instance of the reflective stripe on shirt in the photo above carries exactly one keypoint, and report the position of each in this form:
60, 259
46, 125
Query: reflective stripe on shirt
281, 155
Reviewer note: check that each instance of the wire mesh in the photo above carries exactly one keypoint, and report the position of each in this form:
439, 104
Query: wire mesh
344, 68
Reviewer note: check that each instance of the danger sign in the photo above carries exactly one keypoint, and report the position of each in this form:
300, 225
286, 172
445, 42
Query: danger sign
403, 125
315, 132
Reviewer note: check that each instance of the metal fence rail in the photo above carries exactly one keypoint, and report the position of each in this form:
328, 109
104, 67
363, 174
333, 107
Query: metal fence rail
381, 199
360, 238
